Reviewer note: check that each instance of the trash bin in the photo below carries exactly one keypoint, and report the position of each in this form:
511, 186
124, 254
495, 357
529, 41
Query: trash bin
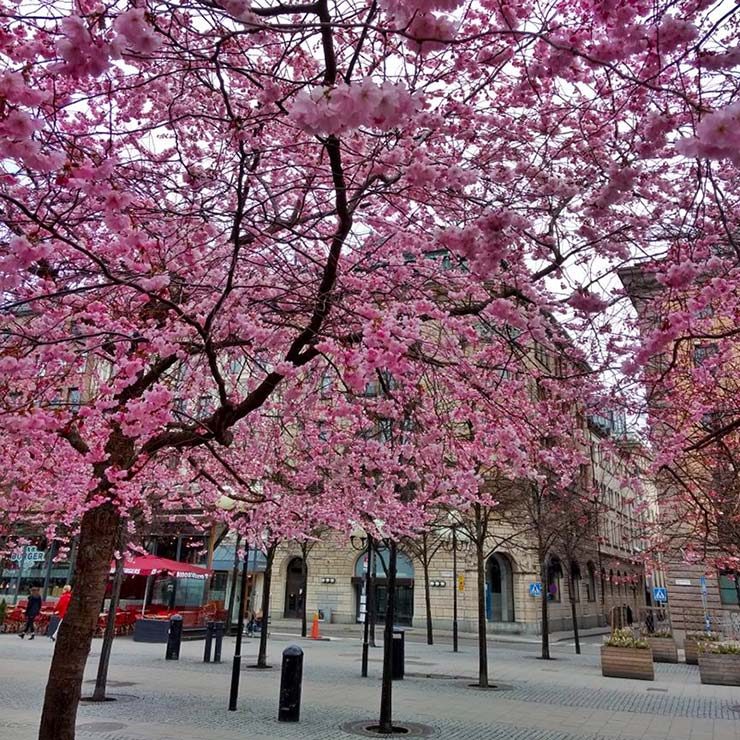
398, 653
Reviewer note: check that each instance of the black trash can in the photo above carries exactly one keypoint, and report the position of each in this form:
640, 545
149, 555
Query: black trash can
398, 653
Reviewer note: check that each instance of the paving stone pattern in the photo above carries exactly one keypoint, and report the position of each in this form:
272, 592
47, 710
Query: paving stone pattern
566, 699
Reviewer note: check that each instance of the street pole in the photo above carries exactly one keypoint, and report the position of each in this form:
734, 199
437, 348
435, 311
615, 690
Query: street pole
370, 602
47, 572
236, 668
454, 590
21, 563
366, 625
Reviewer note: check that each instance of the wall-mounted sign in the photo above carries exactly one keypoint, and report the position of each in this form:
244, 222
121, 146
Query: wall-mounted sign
683, 581
29, 554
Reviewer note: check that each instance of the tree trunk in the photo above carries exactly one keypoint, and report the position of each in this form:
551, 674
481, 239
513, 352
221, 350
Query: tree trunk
262, 656
386, 694
428, 602
545, 615
304, 585
110, 632
98, 532
574, 616
232, 593
482, 637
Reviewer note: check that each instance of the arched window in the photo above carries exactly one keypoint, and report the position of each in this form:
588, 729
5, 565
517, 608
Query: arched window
554, 576
575, 576
499, 588
591, 582
294, 594
611, 582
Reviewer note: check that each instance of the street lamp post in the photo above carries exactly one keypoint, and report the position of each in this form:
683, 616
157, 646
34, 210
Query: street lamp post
454, 547
359, 543
236, 666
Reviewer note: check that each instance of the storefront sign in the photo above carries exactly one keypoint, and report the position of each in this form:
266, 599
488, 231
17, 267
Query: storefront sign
30, 554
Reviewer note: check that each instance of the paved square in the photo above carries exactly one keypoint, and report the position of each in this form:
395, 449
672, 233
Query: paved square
564, 699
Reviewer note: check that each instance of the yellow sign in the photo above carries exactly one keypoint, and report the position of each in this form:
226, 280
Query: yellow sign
461, 583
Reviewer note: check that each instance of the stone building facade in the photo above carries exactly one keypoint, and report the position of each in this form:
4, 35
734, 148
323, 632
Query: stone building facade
335, 588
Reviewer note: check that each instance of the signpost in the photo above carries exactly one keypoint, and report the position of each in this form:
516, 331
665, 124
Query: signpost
660, 594
707, 618
535, 589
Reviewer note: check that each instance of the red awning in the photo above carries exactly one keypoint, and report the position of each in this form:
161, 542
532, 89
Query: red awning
147, 565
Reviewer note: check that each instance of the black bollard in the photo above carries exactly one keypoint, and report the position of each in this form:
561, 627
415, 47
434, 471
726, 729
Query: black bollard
218, 634
398, 654
174, 638
209, 640
290, 685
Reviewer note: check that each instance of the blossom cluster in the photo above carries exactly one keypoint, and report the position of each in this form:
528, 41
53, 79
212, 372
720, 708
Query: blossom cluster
84, 54
717, 136
324, 110
425, 30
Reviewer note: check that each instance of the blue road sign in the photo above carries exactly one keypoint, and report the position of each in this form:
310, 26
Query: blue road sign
535, 589
660, 594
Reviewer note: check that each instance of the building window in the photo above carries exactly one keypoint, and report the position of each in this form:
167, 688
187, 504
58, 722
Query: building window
727, 590
74, 398
575, 574
325, 384
591, 582
554, 576
178, 406
702, 352
205, 406
541, 355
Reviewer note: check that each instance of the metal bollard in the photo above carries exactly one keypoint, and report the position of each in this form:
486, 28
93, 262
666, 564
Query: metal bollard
398, 654
174, 638
218, 634
290, 685
209, 640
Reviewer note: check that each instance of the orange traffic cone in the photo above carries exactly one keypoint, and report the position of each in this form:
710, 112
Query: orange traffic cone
315, 628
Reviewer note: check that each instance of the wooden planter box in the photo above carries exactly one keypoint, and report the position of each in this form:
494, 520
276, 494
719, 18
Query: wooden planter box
664, 649
617, 662
719, 669
691, 648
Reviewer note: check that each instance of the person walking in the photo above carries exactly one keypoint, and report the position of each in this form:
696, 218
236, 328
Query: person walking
33, 609
61, 609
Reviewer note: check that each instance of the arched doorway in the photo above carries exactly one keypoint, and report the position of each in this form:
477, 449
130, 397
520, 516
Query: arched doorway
294, 595
404, 585
499, 588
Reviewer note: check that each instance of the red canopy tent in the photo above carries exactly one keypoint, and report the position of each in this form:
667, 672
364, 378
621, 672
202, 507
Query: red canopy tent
151, 565
148, 565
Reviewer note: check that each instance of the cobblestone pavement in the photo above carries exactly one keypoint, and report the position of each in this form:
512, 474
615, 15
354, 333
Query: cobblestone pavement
563, 699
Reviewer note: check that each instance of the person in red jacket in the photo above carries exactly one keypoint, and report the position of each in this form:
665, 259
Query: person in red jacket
61, 608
